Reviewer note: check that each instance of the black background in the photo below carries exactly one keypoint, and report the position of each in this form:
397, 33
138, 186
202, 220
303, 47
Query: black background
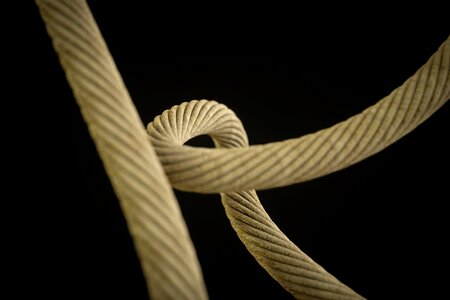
379, 226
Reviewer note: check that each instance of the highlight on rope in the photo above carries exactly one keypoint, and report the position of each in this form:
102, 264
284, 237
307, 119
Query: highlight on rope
144, 165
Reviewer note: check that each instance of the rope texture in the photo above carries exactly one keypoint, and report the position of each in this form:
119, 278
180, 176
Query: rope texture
310, 156
282, 259
154, 219
158, 230
278, 164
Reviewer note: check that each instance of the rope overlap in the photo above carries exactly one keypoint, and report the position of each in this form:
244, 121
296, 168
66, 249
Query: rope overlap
281, 258
313, 155
234, 169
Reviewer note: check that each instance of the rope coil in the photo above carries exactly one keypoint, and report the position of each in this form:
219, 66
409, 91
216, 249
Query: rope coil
314, 155
281, 258
292, 161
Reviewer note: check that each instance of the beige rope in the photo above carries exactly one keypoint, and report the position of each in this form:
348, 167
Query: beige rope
159, 233
293, 269
313, 155
291, 161
153, 216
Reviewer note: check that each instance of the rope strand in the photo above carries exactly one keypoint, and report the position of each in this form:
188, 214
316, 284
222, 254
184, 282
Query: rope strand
154, 219
281, 258
291, 161
314, 155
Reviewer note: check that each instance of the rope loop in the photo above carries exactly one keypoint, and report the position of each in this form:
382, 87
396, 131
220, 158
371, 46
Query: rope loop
272, 249
191, 119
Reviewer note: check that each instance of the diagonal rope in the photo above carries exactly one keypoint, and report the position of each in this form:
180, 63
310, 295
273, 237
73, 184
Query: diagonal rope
159, 233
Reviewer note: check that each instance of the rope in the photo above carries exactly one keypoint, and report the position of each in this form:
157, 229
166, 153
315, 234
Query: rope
291, 161
310, 156
282, 259
154, 219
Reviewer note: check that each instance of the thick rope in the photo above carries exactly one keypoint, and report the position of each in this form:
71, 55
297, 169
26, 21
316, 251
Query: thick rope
291, 161
313, 155
293, 269
159, 233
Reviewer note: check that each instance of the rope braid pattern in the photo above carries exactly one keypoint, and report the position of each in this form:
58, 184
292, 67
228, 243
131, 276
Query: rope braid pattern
161, 239
154, 219
279, 164
314, 155
281, 258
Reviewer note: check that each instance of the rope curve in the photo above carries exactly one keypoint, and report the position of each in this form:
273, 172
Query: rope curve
153, 216
314, 155
280, 257
234, 166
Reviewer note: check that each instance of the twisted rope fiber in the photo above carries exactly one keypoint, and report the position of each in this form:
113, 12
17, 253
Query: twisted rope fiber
159, 233
291, 161
294, 270
310, 156
113, 122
